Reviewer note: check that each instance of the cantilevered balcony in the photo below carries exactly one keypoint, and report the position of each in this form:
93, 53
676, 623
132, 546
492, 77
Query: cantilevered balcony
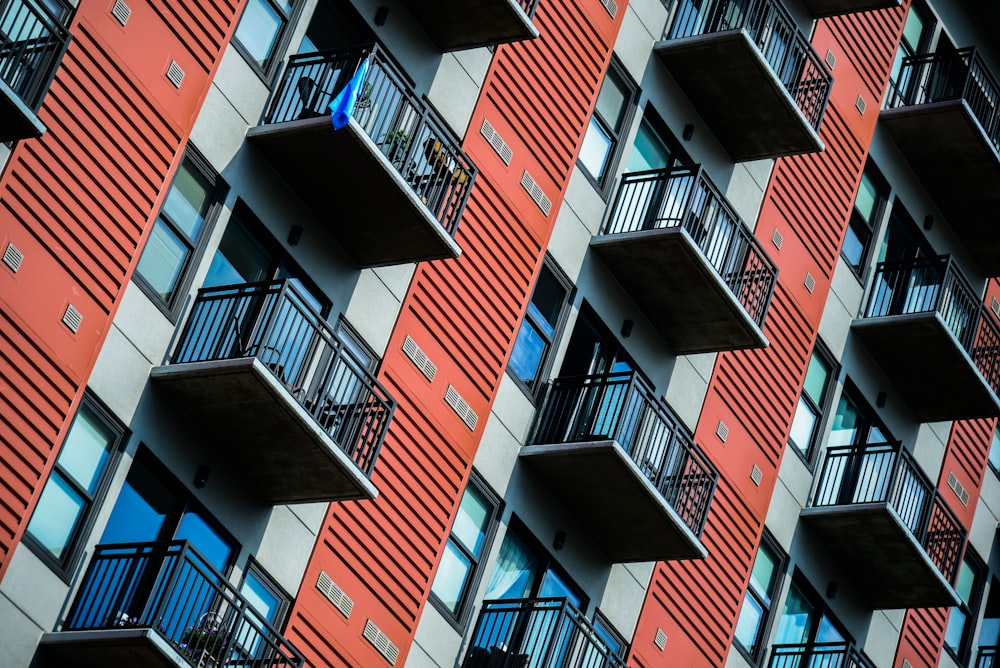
943, 111
824, 8
928, 330
542, 632
750, 73
987, 655
392, 185
472, 23
160, 605
278, 394
32, 42
886, 524
680, 251
619, 460
819, 655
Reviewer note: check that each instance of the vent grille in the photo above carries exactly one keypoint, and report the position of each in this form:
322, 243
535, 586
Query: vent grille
756, 475
995, 306
861, 104
777, 239
175, 74
496, 141
722, 431
12, 257
461, 407
536, 193
419, 358
809, 282
121, 12
831, 60
660, 640
611, 6
335, 594
381, 642
72, 318
958, 488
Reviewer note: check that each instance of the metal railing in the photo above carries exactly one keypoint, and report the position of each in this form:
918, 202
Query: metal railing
935, 284
274, 323
685, 197
414, 138
987, 656
621, 407
887, 473
170, 588
540, 633
529, 7
954, 75
818, 655
32, 42
791, 57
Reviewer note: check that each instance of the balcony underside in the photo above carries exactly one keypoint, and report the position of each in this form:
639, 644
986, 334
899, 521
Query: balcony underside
929, 369
355, 190
603, 488
888, 566
258, 427
472, 23
17, 120
735, 90
823, 8
110, 648
670, 279
959, 167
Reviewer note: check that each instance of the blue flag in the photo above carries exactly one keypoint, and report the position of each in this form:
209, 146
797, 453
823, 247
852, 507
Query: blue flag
343, 105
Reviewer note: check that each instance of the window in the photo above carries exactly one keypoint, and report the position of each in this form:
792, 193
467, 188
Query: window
268, 603
995, 451
601, 143
751, 627
654, 147
545, 315
915, 39
989, 630
471, 534
179, 231
260, 32
813, 401
873, 192
855, 423
77, 482
962, 618
805, 620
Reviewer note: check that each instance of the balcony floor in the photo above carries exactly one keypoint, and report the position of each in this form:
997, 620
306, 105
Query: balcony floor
603, 488
669, 278
17, 120
930, 370
888, 566
735, 90
355, 190
110, 648
823, 8
948, 150
472, 23
268, 437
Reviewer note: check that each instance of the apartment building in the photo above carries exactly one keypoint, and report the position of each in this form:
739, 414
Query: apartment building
499, 333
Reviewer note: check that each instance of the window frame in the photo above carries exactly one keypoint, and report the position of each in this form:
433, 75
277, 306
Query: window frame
821, 409
66, 566
883, 205
994, 441
254, 567
276, 58
971, 609
756, 655
603, 182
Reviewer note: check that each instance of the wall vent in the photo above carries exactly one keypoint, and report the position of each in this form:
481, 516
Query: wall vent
777, 239
496, 141
536, 192
660, 639
12, 257
381, 642
121, 12
861, 104
418, 357
756, 475
335, 594
175, 74
72, 318
722, 431
611, 6
809, 282
995, 306
958, 488
831, 60
461, 407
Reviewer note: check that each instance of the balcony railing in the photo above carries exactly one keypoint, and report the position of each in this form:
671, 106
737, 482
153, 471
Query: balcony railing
987, 656
685, 197
955, 75
887, 473
818, 655
767, 23
170, 588
32, 43
621, 407
929, 285
403, 127
273, 322
541, 633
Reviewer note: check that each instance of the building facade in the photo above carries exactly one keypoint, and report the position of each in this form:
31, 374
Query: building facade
499, 333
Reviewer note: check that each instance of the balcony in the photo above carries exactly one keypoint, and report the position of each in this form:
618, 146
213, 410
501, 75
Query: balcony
928, 330
819, 655
392, 185
823, 8
471, 23
160, 605
885, 523
539, 632
32, 43
680, 251
278, 395
618, 459
943, 111
750, 73
987, 656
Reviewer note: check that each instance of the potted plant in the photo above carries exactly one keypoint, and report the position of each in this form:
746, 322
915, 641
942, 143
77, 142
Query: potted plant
396, 144
204, 643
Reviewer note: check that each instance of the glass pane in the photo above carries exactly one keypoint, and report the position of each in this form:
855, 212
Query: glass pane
452, 577
797, 619
855, 241
259, 29
56, 516
515, 571
955, 631
261, 598
547, 300
649, 151
162, 259
240, 258
611, 102
553, 585
141, 508
529, 348
816, 378
762, 576
845, 423
595, 150
802, 426
966, 580
867, 198
205, 539
913, 31
188, 200
86, 450
995, 450
472, 521
748, 625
